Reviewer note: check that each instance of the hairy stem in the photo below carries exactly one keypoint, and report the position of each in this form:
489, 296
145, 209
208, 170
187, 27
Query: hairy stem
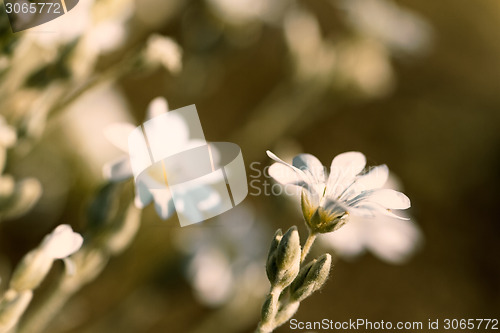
307, 246
269, 311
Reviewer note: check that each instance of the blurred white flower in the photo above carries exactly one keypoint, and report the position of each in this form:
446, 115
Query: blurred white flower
105, 31
365, 66
396, 27
165, 51
222, 256
84, 122
239, 12
327, 202
65, 28
61, 243
145, 191
121, 169
105, 37
314, 56
210, 274
101, 25
97, 27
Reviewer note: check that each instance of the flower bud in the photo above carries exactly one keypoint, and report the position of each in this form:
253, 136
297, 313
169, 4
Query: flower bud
286, 258
271, 268
311, 278
12, 306
164, 51
31, 271
25, 196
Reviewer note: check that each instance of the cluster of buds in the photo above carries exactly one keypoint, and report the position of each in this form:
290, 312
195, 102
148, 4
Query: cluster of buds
290, 284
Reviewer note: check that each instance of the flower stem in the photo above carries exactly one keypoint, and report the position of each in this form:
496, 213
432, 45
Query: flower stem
307, 246
266, 325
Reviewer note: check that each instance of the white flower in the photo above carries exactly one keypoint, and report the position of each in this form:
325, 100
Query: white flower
327, 202
61, 243
390, 239
177, 131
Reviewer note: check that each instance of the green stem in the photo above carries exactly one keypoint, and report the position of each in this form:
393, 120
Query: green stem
267, 325
307, 246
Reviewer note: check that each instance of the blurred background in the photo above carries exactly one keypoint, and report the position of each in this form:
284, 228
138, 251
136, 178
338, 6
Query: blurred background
411, 84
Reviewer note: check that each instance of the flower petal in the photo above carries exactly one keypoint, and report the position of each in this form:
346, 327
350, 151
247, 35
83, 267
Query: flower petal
303, 179
390, 199
168, 133
285, 175
365, 184
118, 134
343, 171
158, 106
118, 170
373, 179
353, 160
308, 162
371, 209
334, 207
62, 242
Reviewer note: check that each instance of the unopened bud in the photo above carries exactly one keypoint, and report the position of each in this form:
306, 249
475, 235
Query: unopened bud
288, 258
271, 268
31, 271
164, 51
25, 196
311, 278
